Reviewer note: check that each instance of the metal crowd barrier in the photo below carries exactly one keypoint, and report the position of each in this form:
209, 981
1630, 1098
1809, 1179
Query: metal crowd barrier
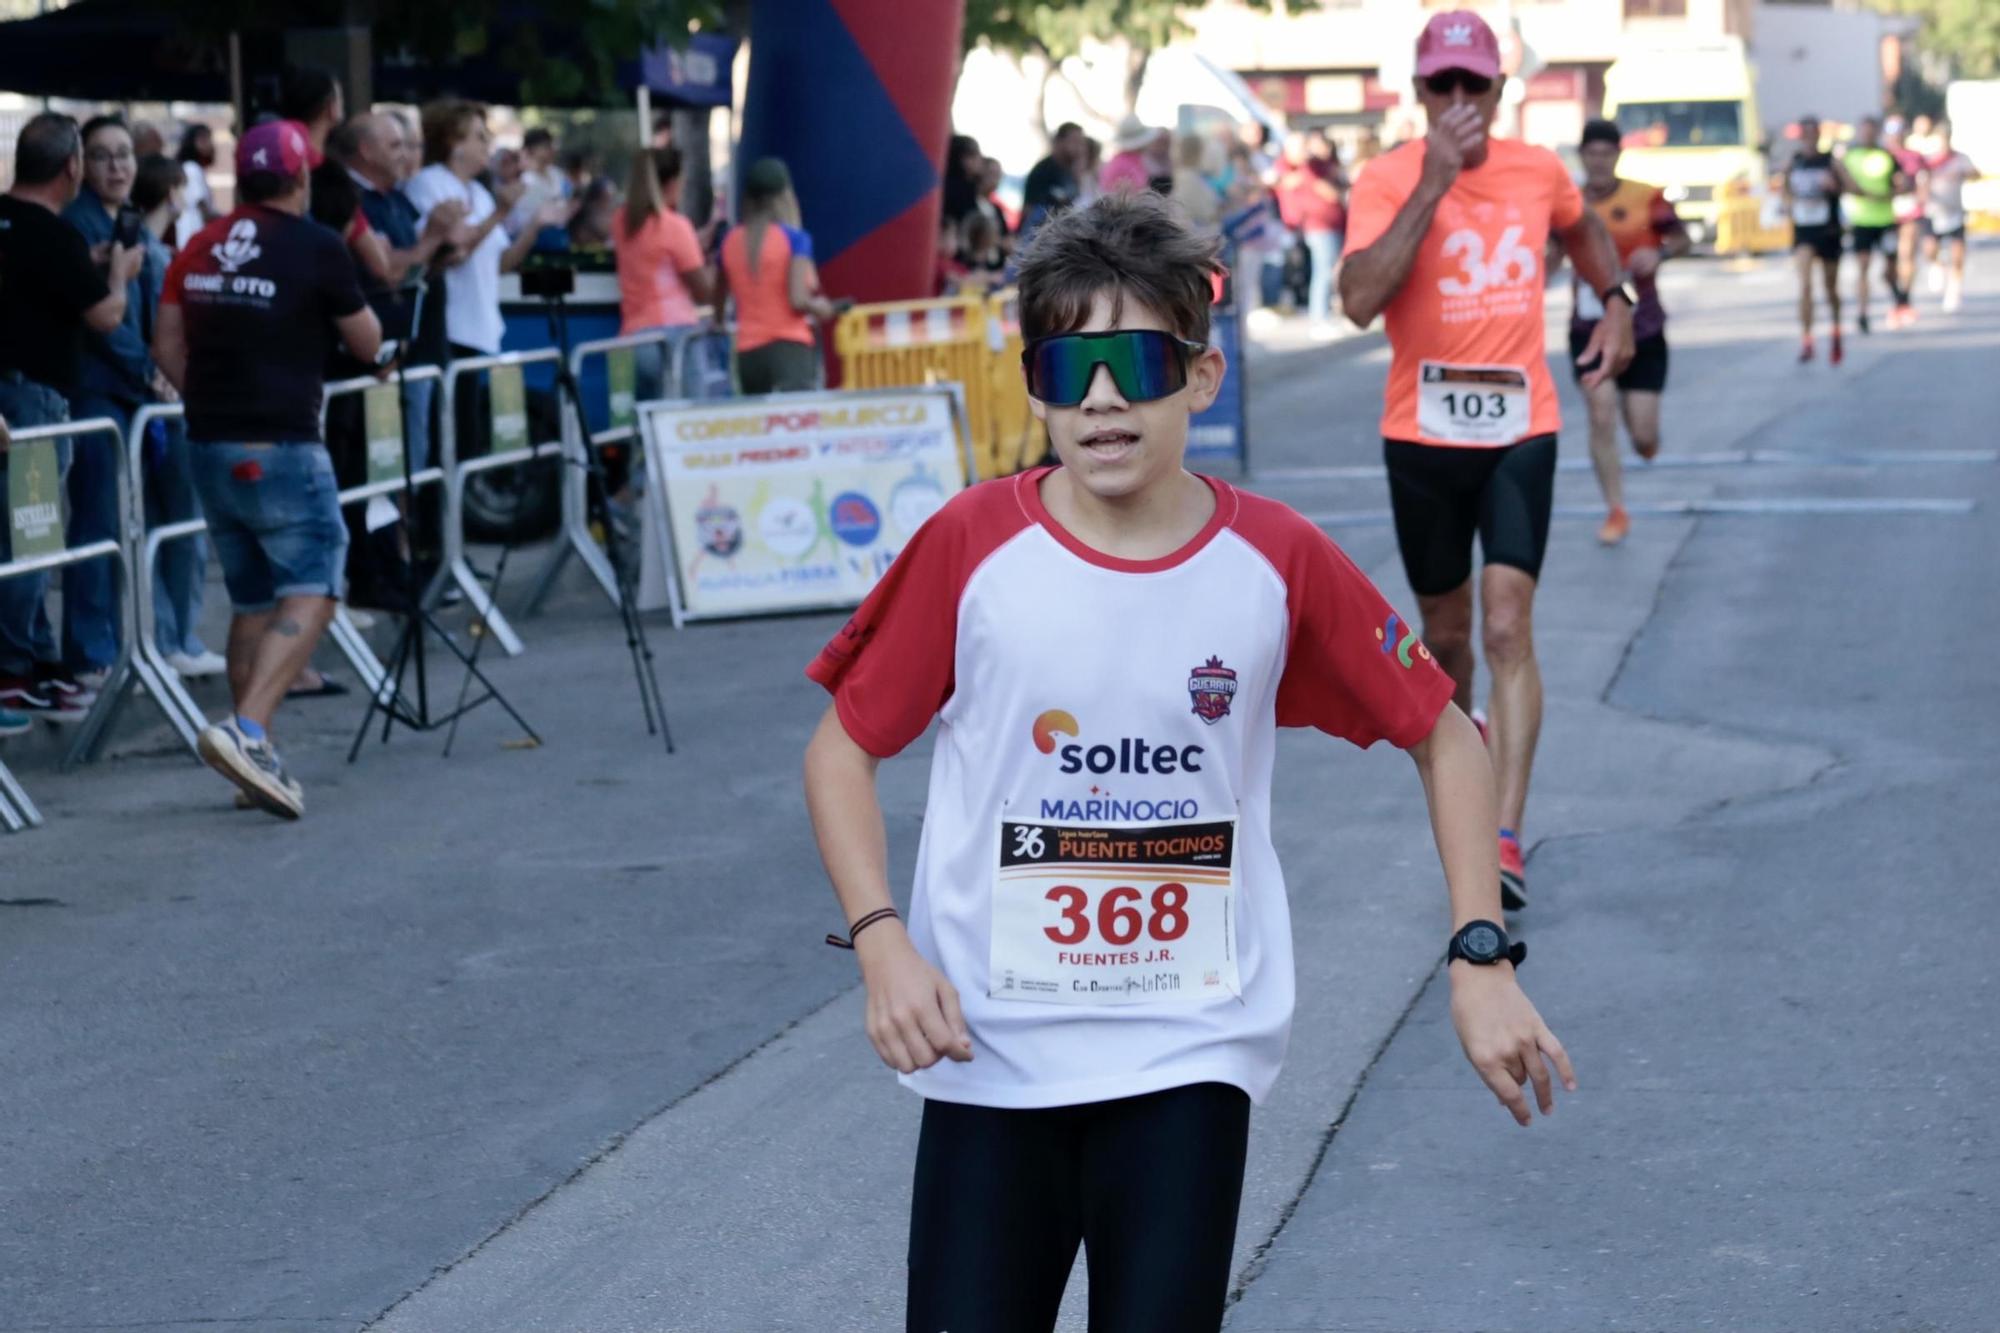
17, 812
903, 343
1018, 438
162, 682
622, 428
456, 568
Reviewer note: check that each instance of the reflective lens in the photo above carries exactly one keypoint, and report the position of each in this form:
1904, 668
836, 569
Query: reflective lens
1444, 81
1144, 363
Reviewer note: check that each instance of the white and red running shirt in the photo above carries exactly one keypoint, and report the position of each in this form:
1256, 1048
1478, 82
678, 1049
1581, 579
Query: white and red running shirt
1096, 874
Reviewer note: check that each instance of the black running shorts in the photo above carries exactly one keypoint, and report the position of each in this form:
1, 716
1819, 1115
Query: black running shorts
1443, 495
1149, 1185
1866, 240
1823, 241
1646, 374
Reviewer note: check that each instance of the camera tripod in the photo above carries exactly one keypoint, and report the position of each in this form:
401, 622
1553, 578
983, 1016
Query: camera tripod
388, 697
569, 393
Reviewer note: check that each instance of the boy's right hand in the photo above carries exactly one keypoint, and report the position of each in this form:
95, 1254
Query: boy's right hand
913, 1015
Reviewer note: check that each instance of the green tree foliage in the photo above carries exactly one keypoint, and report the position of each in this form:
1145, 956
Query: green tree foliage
1055, 30
1965, 33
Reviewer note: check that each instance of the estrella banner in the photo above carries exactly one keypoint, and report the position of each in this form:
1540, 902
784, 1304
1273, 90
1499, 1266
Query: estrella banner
34, 499
798, 502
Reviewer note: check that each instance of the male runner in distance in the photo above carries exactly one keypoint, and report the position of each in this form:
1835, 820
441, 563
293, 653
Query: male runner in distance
1446, 235
1647, 232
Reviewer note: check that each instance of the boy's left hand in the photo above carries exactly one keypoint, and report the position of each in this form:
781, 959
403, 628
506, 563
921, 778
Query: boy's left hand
1505, 1039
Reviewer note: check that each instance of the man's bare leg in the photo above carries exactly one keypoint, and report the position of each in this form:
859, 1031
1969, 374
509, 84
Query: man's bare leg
1448, 634
1642, 421
283, 650
1604, 460
1507, 596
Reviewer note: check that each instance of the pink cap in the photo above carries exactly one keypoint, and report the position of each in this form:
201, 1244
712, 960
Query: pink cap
1458, 40
274, 148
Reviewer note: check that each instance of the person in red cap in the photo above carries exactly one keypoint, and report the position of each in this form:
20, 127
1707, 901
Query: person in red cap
1445, 236
253, 306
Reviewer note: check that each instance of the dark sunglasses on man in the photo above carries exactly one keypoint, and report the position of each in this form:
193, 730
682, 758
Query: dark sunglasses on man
1145, 364
1446, 81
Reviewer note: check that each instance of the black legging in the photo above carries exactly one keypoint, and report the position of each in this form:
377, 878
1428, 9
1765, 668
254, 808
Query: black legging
1149, 1185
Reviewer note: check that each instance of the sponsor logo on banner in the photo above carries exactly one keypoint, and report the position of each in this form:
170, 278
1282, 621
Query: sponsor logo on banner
855, 518
787, 527
720, 527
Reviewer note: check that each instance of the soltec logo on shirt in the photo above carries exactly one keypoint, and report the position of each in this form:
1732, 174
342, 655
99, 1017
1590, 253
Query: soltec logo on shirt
1129, 754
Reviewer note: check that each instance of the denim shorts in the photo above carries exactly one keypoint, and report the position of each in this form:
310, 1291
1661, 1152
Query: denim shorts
274, 519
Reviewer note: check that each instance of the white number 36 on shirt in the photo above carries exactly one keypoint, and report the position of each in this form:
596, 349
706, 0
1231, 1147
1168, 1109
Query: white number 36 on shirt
1511, 265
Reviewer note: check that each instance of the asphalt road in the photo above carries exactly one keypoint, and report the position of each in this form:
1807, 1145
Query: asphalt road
545, 1039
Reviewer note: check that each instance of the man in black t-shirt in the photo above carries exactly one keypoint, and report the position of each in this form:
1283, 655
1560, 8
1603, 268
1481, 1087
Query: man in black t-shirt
253, 307
51, 290
1052, 182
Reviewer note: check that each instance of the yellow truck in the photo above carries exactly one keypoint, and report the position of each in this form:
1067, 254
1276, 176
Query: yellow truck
1688, 116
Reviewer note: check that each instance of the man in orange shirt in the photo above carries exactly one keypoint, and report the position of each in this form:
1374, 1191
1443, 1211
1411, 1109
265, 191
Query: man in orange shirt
1446, 235
1647, 232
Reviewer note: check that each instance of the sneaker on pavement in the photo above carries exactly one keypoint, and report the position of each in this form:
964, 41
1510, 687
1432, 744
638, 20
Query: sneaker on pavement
1616, 525
65, 687
189, 666
1513, 875
254, 767
13, 723
1805, 349
1935, 279
1837, 354
1861, 323
21, 695
1952, 298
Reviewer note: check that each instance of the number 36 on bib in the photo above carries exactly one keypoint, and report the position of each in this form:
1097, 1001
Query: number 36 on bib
1114, 914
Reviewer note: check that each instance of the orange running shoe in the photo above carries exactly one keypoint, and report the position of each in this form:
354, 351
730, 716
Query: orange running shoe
1513, 873
1616, 524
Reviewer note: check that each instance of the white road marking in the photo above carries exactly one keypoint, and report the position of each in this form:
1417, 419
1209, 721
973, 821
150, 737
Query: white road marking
1771, 506
1889, 459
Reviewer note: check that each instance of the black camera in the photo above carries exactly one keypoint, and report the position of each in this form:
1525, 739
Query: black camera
548, 282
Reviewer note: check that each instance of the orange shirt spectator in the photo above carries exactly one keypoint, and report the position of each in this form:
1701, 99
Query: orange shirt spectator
768, 271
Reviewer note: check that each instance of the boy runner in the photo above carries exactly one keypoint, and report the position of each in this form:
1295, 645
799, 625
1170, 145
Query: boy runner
1871, 213
1814, 182
1096, 982
1446, 235
1647, 232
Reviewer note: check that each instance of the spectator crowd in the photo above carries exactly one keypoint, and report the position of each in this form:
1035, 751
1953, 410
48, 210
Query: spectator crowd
98, 212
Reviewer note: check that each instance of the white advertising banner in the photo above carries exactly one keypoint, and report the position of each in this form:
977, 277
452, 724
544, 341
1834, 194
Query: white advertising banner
796, 501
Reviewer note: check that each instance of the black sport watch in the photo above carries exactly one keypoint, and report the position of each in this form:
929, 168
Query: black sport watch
1618, 289
1483, 944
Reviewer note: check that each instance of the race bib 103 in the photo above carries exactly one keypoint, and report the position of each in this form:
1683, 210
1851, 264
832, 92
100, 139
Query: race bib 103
1114, 914
1473, 404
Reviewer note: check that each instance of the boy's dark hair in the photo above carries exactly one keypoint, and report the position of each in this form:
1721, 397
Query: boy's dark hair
157, 178
47, 144
537, 138
1601, 131
1132, 245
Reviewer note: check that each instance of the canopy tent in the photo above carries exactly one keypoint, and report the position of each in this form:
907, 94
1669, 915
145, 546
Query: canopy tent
138, 51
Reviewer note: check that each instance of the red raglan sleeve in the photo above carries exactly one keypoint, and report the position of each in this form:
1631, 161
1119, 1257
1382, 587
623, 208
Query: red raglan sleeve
1354, 668
890, 669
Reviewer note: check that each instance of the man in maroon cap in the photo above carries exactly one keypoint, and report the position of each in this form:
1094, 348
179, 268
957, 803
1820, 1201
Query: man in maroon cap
252, 307
1445, 235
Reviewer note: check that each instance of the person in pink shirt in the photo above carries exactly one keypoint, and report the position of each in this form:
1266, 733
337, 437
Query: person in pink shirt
662, 272
1141, 156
